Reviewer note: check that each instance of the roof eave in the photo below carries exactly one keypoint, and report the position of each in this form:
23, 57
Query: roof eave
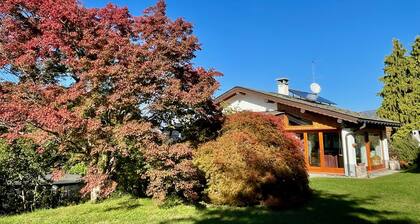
379, 122
330, 113
235, 90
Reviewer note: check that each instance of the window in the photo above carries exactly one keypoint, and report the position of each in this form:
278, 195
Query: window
375, 156
296, 121
360, 146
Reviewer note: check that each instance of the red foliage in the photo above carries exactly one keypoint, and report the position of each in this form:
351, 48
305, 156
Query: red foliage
57, 174
173, 173
132, 77
27, 104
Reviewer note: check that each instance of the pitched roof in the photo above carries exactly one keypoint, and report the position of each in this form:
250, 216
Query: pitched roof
328, 110
66, 179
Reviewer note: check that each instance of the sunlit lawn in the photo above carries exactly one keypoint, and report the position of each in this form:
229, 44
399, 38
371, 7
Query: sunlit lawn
389, 199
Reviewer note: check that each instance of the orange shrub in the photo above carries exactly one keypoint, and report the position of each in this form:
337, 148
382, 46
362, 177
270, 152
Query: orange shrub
254, 161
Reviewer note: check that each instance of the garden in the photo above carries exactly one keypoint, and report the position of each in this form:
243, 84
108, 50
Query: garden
117, 100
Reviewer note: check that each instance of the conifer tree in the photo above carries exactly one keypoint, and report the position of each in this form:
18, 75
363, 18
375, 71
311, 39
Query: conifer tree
401, 91
411, 103
394, 81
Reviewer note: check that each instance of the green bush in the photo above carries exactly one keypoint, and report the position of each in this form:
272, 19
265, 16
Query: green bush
254, 162
406, 150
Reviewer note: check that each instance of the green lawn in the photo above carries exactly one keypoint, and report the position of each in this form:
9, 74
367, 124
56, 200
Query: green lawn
389, 199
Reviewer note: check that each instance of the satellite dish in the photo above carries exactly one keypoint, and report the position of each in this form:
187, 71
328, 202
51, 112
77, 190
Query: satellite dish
315, 88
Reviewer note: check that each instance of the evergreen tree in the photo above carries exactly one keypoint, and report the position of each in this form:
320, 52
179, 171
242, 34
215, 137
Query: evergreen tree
395, 83
401, 92
411, 103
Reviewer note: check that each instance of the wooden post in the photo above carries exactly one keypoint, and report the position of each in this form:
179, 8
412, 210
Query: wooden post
368, 151
321, 148
305, 146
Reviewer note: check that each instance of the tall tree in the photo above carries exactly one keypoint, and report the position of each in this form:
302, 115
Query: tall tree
131, 84
401, 96
411, 105
395, 83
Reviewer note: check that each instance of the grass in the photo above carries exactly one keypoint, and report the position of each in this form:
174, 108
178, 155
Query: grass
389, 199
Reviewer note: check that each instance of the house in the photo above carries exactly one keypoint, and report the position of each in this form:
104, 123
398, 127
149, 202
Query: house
336, 141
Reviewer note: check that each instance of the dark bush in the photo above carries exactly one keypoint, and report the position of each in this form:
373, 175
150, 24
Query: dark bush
23, 186
131, 168
253, 162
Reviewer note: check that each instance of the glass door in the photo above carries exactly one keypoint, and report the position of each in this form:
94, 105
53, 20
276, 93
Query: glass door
369, 150
361, 150
323, 151
375, 151
314, 149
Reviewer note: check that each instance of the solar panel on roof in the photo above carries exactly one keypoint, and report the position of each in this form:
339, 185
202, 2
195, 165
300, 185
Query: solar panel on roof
310, 96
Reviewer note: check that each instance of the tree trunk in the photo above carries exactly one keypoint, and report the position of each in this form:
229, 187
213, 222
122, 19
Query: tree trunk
95, 194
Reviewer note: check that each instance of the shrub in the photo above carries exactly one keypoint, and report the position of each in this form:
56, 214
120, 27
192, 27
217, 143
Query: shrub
254, 161
172, 174
406, 150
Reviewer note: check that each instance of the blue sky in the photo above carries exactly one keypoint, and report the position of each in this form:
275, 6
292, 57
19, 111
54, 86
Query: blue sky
254, 42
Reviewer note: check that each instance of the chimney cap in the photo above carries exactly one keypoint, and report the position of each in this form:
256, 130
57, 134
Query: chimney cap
282, 79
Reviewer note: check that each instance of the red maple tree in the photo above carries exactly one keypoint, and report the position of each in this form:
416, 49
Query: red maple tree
129, 81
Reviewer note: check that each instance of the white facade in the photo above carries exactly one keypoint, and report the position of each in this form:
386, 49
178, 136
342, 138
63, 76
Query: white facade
386, 150
249, 103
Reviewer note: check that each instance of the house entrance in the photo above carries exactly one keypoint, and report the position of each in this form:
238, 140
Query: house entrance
369, 150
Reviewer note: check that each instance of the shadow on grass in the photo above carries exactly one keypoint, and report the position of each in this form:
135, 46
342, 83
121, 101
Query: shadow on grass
323, 208
130, 205
415, 169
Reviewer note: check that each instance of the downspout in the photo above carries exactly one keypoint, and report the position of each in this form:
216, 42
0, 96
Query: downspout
347, 144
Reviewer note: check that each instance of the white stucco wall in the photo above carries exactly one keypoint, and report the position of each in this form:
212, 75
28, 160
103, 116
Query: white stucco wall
349, 152
249, 103
386, 150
